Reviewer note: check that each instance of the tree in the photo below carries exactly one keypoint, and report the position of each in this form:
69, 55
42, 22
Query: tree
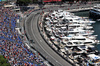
23, 2
3, 61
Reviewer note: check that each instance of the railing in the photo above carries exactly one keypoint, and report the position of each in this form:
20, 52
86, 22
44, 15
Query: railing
51, 44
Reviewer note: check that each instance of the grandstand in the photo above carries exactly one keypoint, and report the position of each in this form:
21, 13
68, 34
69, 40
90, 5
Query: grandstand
12, 47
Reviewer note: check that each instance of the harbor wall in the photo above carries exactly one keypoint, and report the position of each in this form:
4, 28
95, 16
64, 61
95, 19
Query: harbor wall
79, 10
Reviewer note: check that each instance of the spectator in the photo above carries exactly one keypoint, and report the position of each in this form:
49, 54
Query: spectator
11, 45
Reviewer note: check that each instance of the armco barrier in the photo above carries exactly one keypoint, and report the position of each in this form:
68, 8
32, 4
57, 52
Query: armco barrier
41, 33
29, 40
46, 40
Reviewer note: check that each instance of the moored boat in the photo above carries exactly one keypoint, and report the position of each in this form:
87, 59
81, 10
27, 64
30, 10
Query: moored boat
72, 35
95, 12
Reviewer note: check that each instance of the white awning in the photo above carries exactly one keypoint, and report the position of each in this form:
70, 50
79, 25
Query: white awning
9, 5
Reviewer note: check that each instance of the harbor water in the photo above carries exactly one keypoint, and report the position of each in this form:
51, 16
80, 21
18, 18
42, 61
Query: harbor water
96, 25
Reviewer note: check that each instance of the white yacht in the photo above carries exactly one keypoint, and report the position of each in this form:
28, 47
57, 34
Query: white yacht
73, 35
79, 20
80, 37
95, 12
80, 31
78, 42
93, 60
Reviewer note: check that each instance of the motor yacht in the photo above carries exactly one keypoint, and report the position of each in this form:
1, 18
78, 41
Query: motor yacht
73, 35
78, 42
95, 12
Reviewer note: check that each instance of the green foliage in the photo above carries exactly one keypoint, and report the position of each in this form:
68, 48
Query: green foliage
3, 61
35, 0
23, 2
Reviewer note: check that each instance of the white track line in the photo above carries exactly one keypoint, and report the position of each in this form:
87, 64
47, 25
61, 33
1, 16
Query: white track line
41, 46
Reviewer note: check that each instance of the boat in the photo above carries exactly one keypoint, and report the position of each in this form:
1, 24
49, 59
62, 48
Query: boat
95, 12
78, 42
93, 59
80, 31
73, 35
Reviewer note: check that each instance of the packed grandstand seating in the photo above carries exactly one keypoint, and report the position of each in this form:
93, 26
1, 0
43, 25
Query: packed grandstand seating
12, 46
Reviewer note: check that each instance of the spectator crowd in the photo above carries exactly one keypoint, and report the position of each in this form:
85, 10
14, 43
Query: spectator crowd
12, 46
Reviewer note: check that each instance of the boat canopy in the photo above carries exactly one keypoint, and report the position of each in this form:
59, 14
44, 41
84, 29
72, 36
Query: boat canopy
94, 57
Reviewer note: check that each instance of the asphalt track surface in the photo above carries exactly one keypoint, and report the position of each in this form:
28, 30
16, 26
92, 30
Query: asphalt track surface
40, 45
